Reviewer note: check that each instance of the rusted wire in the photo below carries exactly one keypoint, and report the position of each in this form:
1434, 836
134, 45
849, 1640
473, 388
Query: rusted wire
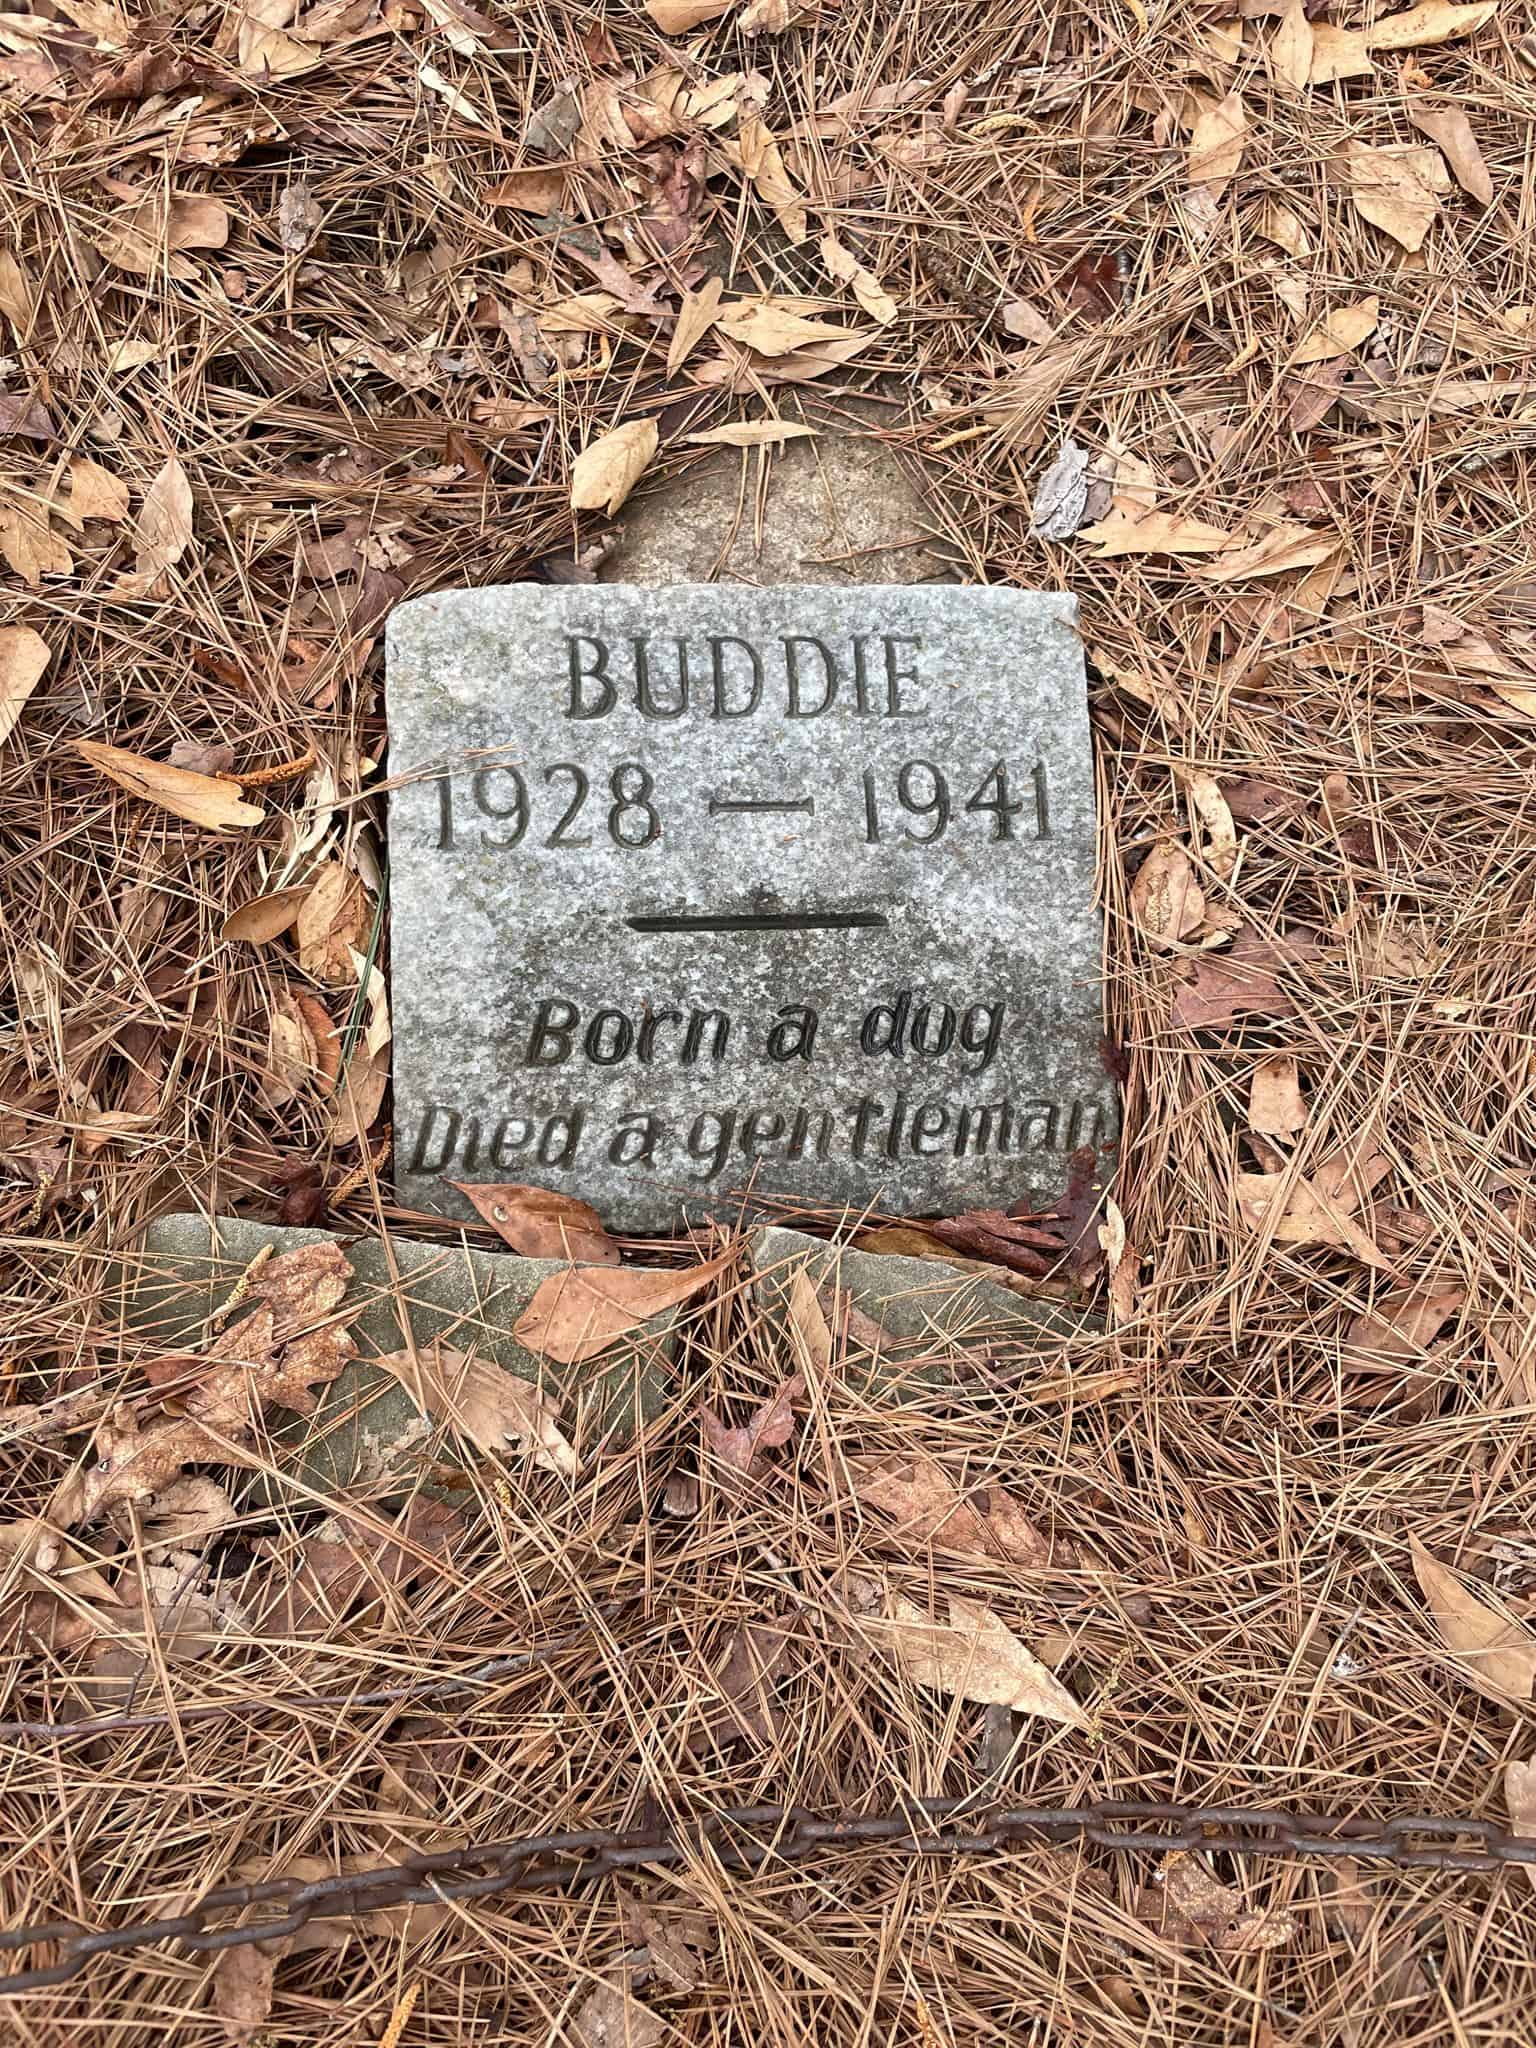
749, 1837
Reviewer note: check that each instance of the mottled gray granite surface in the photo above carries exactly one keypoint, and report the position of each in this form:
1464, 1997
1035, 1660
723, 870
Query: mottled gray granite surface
182, 1271
836, 507
704, 888
925, 1309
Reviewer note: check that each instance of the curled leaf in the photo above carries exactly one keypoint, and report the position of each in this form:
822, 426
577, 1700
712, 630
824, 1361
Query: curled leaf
209, 800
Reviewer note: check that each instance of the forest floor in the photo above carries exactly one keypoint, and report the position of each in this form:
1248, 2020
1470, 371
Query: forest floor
1224, 322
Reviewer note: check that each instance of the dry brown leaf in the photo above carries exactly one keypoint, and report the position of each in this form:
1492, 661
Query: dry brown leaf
757, 154
24, 658
1216, 145
17, 297
1291, 49
575, 1315
302, 1046
1338, 53
695, 317
1166, 902
1279, 225
534, 189
148, 236
927, 1507
242, 1989
30, 545
1451, 132
1494, 1653
1287, 546
263, 51
1127, 532
1343, 330
163, 531
210, 800
332, 922
1520, 1797
607, 469
750, 434
57, 1599
1398, 190
842, 264
1401, 1327
1204, 792
768, 1428
1291, 1209
1275, 1107
94, 493
677, 17
485, 1403
975, 1657
1189, 1906
750, 372
264, 918
810, 1333
773, 328
356, 1555
1433, 21
610, 2017
542, 1224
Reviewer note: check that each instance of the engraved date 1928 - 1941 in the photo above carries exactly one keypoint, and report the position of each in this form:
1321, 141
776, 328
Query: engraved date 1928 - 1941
565, 805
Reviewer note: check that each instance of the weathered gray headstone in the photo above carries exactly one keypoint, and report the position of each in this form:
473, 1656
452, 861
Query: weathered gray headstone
707, 888
366, 1425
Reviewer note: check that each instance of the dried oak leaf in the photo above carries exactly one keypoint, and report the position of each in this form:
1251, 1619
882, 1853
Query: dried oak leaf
1166, 902
609, 2017
289, 1344
1401, 1327
926, 1506
334, 1570
755, 1657
1495, 1653
541, 1223
1219, 988
133, 1465
24, 418
1189, 1906
770, 1426
675, 1941
1275, 1107
975, 1656
575, 1315
485, 1403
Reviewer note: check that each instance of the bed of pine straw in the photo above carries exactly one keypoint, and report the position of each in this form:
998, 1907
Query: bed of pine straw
251, 272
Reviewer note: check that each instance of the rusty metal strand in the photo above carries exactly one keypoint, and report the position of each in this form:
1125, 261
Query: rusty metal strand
749, 1837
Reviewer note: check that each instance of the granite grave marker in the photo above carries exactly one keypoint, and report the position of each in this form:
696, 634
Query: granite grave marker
709, 887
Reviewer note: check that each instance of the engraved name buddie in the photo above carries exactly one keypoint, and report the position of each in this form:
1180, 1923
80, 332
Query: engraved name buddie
706, 889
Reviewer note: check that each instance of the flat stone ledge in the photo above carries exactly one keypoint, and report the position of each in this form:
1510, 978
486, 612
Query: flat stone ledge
469, 1300
930, 1312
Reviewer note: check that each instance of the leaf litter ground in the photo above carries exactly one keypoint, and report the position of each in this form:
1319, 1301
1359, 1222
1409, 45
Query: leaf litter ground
1224, 322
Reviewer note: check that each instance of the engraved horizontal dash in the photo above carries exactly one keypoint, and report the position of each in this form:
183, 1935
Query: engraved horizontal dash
722, 805
767, 921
